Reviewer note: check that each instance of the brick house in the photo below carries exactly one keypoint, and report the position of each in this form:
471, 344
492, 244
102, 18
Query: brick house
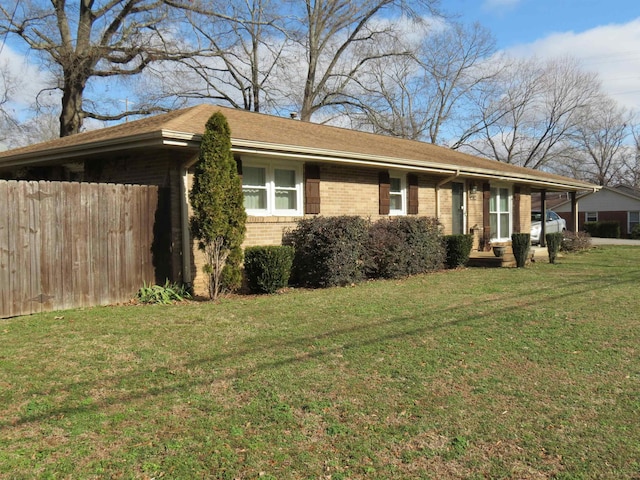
619, 204
292, 169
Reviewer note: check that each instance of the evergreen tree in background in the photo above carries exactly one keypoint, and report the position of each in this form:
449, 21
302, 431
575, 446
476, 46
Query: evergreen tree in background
219, 217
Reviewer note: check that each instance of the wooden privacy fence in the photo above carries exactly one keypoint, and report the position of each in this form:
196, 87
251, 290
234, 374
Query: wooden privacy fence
67, 245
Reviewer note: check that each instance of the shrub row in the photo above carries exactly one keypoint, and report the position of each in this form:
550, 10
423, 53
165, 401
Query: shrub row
402, 246
334, 251
608, 229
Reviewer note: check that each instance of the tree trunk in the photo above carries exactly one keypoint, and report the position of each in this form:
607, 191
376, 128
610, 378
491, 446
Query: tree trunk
71, 116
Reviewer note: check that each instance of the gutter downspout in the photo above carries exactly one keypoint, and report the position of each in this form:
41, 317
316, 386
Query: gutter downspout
187, 277
440, 184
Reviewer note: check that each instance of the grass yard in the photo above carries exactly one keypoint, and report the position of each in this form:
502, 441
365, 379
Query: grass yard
499, 373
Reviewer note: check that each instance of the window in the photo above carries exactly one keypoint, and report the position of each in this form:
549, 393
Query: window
633, 220
591, 216
500, 213
272, 189
397, 204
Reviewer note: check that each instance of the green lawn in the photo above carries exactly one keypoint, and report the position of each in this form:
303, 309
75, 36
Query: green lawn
474, 373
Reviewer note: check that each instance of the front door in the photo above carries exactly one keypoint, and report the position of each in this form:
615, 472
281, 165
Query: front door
457, 214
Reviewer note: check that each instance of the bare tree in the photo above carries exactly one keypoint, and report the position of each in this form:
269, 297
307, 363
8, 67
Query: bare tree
600, 139
9, 124
632, 161
529, 120
415, 96
93, 39
338, 38
246, 40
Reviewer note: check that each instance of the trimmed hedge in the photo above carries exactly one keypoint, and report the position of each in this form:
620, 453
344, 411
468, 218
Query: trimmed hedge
268, 268
605, 229
520, 243
329, 251
635, 233
554, 241
402, 246
334, 251
458, 249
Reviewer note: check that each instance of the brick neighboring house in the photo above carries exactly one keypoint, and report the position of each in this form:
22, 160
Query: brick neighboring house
619, 204
293, 169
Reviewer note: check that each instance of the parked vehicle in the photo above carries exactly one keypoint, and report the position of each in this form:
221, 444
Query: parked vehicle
554, 224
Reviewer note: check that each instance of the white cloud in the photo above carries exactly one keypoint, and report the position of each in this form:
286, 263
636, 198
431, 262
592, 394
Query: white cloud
613, 51
24, 81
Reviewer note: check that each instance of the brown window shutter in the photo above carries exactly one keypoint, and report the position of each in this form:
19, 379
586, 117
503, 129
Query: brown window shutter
486, 218
385, 192
412, 204
311, 189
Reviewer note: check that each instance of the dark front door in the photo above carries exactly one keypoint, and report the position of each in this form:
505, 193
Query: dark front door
457, 214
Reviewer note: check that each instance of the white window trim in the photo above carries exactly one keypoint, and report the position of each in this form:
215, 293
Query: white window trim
403, 193
510, 206
270, 167
586, 217
629, 227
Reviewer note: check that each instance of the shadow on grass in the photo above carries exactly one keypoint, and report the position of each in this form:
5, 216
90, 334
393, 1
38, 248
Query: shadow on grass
365, 334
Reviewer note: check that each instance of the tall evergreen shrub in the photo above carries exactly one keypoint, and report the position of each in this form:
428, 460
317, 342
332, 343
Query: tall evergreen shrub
219, 217
458, 249
520, 243
554, 241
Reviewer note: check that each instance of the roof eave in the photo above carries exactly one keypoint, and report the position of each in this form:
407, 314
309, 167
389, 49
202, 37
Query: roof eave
148, 139
254, 147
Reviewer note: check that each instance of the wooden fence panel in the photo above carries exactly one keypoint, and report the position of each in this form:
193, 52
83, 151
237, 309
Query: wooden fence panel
5, 264
66, 245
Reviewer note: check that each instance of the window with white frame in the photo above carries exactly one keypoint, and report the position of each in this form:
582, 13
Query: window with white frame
272, 188
500, 213
397, 195
590, 216
633, 220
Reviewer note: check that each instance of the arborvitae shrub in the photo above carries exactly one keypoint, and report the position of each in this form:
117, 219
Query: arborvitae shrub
635, 232
458, 249
268, 268
328, 250
402, 246
218, 218
520, 243
554, 242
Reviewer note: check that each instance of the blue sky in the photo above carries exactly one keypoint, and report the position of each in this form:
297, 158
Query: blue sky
603, 34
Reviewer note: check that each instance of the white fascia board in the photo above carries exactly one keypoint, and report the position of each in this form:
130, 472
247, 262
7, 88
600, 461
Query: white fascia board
314, 154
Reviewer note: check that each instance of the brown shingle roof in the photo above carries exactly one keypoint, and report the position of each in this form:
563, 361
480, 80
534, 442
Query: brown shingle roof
287, 135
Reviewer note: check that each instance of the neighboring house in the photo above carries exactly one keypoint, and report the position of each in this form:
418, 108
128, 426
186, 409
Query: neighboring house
620, 204
293, 169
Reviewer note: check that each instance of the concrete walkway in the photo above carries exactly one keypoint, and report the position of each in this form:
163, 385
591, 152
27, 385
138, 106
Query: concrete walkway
542, 254
614, 241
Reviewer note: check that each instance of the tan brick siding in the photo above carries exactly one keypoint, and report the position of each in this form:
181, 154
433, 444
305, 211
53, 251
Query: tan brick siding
347, 190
